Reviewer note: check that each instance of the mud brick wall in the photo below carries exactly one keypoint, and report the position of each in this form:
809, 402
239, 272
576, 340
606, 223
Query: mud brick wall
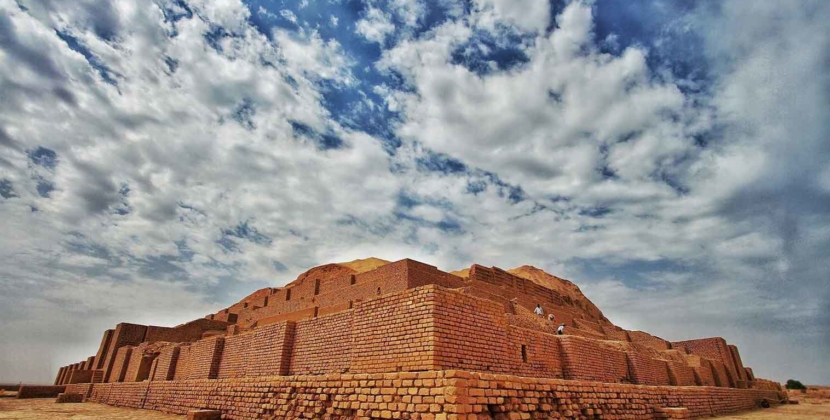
681, 374
40, 391
500, 286
583, 359
395, 332
134, 363
540, 356
166, 364
272, 345
714, 348
424, 395
420, 274
766, 384
182, 369
502, 396
584, 333
59, 376
140, 364
185, 333
703, 376
470, 333
127, 394
308, 297
204, 358
584, 324
80, 377
504, 283
647, 371
83, 389
328, 310
120, 364
297, 315
124, 334
64, 376
399, 395
614, 333
235, 356
103, 349
721, 374
322, 345
738, 363
656, 343
97, 376
524, 318
749, 374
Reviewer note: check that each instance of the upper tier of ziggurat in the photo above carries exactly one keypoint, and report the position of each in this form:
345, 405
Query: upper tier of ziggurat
374, 339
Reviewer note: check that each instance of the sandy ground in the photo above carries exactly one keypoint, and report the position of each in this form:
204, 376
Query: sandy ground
813, 405
46, 409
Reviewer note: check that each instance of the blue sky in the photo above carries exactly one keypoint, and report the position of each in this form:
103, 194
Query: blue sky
161, 159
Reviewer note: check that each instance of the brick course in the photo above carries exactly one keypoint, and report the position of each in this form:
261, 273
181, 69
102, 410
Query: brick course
448, 394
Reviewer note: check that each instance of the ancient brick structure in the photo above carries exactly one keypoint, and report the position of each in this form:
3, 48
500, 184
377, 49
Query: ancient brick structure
406, 340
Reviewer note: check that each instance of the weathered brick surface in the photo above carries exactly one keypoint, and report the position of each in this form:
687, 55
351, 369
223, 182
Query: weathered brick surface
616, 333
59, 376
738, 363
647, 371
40, 391
166, 364
68, 397
80, 377
182, 369
585, 360
103, 349
681, 374
425, 395
470, 333
533, 354
647, 339
120, 364
134, 363
83, 389
235, 355
124, 334
322, 345
272, 345
395, 332
205, 356
715, 349
185, 333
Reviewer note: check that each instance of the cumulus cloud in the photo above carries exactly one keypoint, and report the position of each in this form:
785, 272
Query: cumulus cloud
173, 156
375, 26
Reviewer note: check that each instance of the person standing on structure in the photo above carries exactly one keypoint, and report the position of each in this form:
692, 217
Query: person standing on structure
539, 311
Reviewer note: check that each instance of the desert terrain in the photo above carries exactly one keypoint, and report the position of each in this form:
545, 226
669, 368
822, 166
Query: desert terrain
812, 405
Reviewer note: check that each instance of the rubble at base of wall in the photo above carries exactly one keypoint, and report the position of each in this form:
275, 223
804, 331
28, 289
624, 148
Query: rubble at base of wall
447, 394
66, 397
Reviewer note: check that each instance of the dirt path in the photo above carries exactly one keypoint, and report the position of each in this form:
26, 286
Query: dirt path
786, 412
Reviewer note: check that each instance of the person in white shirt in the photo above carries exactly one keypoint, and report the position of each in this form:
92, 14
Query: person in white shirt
539, 311
551, 318
561, 329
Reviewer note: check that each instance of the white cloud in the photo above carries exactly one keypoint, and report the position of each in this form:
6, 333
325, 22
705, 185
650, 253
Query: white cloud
288, 15
375, 26
529, 15
616, 191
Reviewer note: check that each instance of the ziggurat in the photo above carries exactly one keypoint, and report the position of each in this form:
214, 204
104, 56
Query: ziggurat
404, 340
